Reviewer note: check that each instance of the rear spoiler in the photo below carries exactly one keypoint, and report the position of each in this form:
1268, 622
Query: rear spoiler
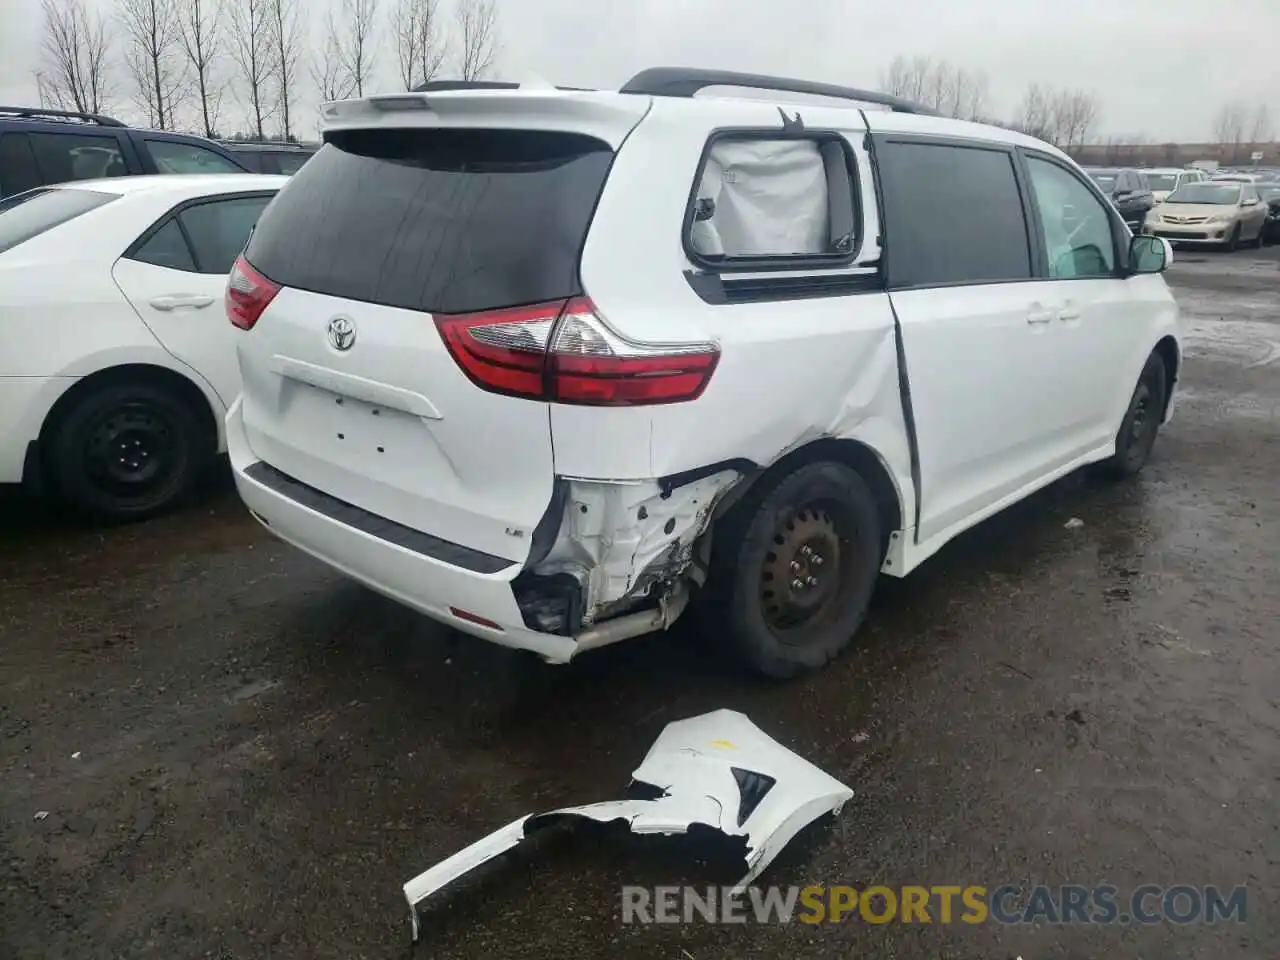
603, 115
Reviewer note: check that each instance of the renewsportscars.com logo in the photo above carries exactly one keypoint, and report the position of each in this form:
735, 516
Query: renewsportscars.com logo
1008, 904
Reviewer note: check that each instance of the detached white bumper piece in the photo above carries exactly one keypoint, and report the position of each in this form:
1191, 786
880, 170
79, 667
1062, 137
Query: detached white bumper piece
719, 770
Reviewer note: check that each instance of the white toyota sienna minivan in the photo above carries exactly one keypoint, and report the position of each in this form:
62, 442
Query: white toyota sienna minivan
552, 365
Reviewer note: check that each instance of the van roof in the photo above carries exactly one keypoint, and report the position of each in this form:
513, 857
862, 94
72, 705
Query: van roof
524, 104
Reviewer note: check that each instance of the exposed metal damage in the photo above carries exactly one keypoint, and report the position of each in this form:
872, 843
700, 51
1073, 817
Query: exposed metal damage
718, 770
621, 545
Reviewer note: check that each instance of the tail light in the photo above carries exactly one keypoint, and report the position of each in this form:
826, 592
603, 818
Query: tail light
563, 352
248, 294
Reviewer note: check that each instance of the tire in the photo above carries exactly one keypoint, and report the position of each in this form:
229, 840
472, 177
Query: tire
818, 521
1258, 241
1233, 244
1141, 423
127, 451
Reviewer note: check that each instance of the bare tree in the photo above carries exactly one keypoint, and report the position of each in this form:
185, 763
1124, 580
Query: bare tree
420, 49
154, 57
200, 29
1229, 129
966, 95
286, 44
74, 56
1034, 115
253, 52
356, 42
477, 32
1074, 113
908, 78
947, 88
1065, 118
1261, 131
327, 71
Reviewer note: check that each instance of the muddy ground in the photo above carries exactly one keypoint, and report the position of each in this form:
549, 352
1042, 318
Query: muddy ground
242, 755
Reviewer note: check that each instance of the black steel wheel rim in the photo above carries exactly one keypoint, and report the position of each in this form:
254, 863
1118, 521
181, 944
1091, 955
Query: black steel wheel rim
1142, 425
808, 570
131, 451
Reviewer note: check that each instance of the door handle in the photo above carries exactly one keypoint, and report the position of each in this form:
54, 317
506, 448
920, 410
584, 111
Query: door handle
174, 301
1038, 317
1069, 313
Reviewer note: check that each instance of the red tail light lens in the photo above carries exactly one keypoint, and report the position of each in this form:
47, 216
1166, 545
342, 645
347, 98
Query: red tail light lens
249, 293
563, 352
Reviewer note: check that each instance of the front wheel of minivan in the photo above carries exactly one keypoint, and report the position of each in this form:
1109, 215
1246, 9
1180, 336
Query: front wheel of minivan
1137, 434
793, 570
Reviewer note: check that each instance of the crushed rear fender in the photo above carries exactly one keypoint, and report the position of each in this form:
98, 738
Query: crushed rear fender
718, 770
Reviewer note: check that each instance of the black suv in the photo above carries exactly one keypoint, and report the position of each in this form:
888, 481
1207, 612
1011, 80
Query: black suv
269, 156
1128, 191
39, 147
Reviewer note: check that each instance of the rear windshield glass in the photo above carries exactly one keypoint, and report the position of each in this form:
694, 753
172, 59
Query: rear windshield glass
27, 215
444, 221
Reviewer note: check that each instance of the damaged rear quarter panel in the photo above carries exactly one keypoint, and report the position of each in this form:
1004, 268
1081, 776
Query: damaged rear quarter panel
791, 373
619, 539
825, 368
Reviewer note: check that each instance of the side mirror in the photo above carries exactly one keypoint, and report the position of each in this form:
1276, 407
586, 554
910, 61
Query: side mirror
1149, 254
1251, 202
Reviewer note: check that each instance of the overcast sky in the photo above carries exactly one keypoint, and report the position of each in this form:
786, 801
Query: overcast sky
1160, 68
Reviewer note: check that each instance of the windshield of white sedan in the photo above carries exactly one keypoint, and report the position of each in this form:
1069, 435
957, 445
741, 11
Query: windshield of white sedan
1215, 193
27, 215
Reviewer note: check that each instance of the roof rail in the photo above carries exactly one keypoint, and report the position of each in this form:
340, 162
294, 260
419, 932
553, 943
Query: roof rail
41, 113
438, 86
687, 81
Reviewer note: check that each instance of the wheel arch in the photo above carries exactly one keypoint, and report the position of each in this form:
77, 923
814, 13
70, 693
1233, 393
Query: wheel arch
1167, 350
855, 454
129, 373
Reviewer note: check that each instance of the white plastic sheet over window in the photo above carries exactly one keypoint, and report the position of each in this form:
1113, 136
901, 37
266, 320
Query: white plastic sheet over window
770, 199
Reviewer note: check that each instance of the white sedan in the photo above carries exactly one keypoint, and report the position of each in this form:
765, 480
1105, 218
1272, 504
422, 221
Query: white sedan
117, 363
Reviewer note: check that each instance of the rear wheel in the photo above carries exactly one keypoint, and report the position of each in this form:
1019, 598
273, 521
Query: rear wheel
128, 451
1141, 422
793, 570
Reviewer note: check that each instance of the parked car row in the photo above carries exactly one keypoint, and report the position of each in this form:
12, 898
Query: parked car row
1226, 208
39, 147
500, 357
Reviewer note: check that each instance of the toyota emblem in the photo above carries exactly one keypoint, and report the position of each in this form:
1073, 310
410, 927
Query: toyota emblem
342, 333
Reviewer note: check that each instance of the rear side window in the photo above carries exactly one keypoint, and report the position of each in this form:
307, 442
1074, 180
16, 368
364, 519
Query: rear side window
203, 238
443, 221
953, 215
18, 170
167, 247
290, 163
220, 229
63, 157
30, 214
774, 199
252, 160
172, 156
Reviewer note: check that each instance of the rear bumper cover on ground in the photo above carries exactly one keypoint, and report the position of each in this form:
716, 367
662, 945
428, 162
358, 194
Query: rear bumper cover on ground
719, 770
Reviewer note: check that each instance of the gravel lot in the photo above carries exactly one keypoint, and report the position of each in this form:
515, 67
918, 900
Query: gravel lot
244, 756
